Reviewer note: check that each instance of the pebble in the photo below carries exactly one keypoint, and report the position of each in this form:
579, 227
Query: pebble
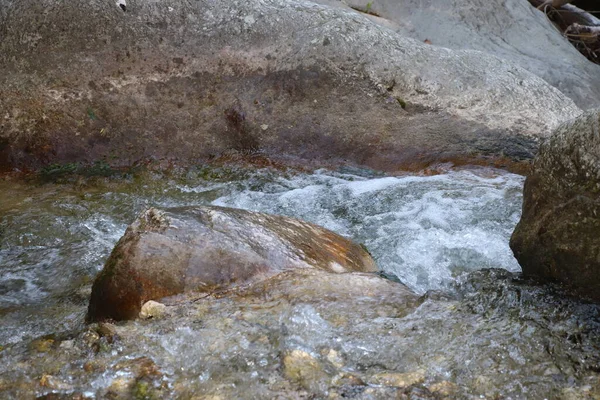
153, 309
301, 367
444, 388
107, 330
52, 382
400, 380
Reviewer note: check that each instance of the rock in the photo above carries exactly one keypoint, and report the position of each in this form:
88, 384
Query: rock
189, 81
141, 367
335, 358
43, 345
204, 249
304, 369
91, 366
558, 236
91, 338
444, 389
512, 30
485, 386
152, 309
141, 380
347, 379
400, 380
52, 382
107, 330
67, 344
121, 387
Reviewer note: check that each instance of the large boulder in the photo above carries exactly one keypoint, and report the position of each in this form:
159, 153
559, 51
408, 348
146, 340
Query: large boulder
206, 249
511, 29
558, 236
88, 80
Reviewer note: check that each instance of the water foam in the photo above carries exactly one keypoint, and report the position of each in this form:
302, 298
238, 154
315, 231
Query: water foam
424, 229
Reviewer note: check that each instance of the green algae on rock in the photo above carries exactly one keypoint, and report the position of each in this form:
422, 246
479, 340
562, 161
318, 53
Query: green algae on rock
164, 253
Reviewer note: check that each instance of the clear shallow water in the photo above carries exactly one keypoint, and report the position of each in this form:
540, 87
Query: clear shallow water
489, 335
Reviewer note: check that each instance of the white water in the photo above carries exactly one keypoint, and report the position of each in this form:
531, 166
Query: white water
424, 230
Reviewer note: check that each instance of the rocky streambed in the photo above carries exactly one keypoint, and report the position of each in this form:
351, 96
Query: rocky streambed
410, 87
466, 325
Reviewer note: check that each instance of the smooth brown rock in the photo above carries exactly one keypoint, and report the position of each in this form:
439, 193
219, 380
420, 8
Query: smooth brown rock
558, 237
204, 249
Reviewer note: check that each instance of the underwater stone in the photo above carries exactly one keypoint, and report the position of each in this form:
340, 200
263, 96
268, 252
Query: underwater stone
206, 249
400, 380
304, 369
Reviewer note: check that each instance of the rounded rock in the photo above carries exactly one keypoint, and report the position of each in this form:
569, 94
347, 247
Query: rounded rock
558, 236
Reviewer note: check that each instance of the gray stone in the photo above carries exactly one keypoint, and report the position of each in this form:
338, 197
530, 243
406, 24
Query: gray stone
558, 236
208, 249
512, 30
85, 80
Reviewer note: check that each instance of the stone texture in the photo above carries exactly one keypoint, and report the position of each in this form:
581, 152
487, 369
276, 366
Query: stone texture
304, 369
398, 379
85, 81
206, 249
511, 29
558, 236
153, 309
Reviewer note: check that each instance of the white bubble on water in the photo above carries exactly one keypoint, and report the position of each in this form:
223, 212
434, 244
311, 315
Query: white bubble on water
424, 229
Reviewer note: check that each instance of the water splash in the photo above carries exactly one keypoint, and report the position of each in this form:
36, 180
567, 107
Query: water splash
424, 230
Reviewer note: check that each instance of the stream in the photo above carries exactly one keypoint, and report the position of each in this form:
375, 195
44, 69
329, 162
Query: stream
479, 330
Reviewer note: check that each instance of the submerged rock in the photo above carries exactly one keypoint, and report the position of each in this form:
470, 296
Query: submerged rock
302, 368
164, 253
189, 80
558, 236
398, 379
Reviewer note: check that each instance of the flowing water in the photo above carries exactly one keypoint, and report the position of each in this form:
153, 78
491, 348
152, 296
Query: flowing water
479, 333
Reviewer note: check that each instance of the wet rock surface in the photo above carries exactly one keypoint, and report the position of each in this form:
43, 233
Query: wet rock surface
204, 249
558, 237
85, 81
